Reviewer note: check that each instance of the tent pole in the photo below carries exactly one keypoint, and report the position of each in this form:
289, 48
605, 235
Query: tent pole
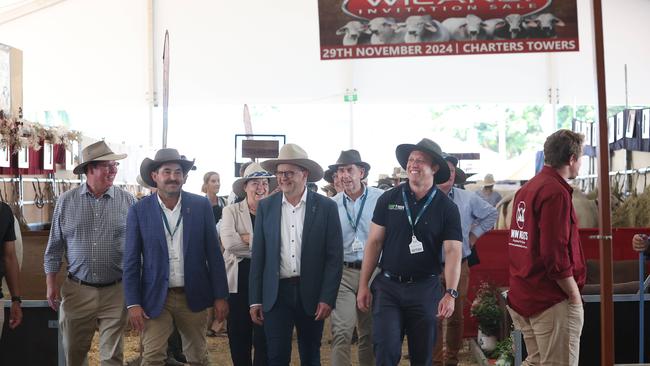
605, 229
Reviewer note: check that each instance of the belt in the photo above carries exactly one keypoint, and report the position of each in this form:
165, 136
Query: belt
353, 265
179, 290
291, 280
406, 279
96, 285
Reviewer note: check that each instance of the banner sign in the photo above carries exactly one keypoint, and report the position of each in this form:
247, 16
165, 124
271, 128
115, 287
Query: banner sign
352, 29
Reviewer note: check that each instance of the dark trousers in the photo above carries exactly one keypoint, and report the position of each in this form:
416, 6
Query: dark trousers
278, 326
243, 334
400, 309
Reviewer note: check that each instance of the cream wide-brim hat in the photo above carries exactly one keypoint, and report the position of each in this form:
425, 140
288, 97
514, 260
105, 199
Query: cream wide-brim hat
294, 154
98, 151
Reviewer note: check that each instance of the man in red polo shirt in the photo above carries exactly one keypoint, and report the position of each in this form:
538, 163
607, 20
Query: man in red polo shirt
547, 265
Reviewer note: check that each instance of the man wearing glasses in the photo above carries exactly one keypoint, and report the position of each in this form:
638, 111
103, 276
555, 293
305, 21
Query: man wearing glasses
88, 227
297, 259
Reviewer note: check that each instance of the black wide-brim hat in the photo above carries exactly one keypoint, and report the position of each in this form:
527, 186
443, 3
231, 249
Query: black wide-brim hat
349, 157
163, 156
430, 148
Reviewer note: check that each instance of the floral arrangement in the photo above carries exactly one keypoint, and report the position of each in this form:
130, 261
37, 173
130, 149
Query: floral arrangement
17, 133
486, 309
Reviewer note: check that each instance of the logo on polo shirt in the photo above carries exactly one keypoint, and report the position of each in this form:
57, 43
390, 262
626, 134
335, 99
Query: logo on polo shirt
392, 206
519, 216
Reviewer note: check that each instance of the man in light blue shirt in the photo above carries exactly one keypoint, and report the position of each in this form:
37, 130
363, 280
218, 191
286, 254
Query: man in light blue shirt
477, 216
356, 205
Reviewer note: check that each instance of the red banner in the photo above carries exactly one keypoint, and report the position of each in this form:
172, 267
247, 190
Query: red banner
406, 28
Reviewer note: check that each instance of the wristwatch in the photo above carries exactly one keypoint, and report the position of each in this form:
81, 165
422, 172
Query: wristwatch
452, 292
16, 298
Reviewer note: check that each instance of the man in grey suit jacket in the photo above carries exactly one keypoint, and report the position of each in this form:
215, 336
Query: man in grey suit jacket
297, 259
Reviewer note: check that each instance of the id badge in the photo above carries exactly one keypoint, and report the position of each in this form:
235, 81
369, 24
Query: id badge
416, 246
357, 245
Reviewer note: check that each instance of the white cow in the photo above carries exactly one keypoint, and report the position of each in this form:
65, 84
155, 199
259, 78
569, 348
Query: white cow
491, 27
422, 28
517, 27
543, 25
383, 31
464, 29
351, 32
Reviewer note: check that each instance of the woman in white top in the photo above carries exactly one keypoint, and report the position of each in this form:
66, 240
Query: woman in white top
237, 225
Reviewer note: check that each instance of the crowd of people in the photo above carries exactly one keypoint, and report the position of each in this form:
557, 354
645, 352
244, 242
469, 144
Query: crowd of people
277, 256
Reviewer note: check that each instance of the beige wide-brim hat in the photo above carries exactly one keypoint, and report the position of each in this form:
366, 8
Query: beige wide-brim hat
139, 180
97, 151
163, 156
294, 154
253, 171
488, 181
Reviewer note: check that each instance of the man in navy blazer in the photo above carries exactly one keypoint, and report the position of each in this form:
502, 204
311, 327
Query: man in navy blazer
173, 267
297, 259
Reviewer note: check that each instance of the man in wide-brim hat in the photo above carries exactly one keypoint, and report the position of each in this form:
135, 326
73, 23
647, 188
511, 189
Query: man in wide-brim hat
476, 217
92, 214
183, 277
412, 225
356, 205
487, 191
297, 259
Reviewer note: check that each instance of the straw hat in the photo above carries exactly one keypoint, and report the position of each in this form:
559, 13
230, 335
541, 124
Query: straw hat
253, 171
163, 156
349, 157
98, 151
294, 154
488, 180
430, 148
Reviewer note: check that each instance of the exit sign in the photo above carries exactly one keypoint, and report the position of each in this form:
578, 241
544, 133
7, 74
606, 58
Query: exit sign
350, 96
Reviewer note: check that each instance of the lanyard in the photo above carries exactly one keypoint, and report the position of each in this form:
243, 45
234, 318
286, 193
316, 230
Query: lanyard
178, 223
408, 210
355, 225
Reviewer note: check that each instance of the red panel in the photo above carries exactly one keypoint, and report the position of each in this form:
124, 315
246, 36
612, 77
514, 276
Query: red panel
493, 252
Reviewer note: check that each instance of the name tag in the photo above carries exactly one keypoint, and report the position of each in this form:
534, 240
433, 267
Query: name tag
395, 207
416, 246
357, 245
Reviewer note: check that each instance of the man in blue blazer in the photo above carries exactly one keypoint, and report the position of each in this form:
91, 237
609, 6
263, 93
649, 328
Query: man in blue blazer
297, 259
173, 267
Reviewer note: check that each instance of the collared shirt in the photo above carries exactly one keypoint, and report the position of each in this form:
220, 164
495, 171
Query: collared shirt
492, 198
291, 224
175, 243
476, 216
439, 222
363, 226
90, 231
544, 244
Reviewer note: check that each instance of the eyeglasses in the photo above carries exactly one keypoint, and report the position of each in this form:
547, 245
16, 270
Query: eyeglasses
108, 166
288, 174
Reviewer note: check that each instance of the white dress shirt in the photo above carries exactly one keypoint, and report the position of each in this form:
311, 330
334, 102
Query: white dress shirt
291, 224
175, 244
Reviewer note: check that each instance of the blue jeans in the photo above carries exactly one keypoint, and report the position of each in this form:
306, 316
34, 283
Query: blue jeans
278, 326
400, 309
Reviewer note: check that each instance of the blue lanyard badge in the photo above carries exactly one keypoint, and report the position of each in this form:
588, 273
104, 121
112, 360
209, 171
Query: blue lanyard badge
408, 209
355, 224
164, 217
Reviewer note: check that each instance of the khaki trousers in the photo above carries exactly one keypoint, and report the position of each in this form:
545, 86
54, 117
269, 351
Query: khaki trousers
345, 317
85, 309
454, 326
553, 336
191, 327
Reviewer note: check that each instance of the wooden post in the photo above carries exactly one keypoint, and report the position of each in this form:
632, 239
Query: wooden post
605, 229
